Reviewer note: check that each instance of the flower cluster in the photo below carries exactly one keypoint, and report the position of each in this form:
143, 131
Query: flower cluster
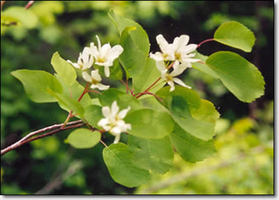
99, 55
113, 121
179, 53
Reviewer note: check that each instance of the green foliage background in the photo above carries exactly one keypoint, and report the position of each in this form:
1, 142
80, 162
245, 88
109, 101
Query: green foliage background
66, 27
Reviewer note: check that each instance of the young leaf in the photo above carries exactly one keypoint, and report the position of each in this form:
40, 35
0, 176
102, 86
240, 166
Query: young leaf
135, 53
194, 115
148, 123
68, 103
83, 138
240, 76
155, 155
93, 114
123, 100
236, 35
189, 147
37, 84
134, 56
122, 168
64, 69
73, 92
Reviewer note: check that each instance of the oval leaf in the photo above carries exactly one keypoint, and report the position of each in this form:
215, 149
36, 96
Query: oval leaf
194, 115
236, 35
83, 138
152, 154
63, 69
37, 84
93, 114
240, 76
189, 147
119, 161
148, 123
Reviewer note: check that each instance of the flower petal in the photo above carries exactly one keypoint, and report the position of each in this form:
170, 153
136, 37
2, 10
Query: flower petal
107, 73
171, 84
123, 113
163, 44
114, 108
181, 41
115, 52
180, 82
161, 66
103, 123
100, 86
86, 77
106, 111
158, 56
95, 75
178, 68
116, 139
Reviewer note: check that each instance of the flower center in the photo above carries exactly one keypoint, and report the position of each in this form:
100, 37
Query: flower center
169, 77
101, 60
177, 56
94, 81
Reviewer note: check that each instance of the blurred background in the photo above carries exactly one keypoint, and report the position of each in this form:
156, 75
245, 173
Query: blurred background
243, 163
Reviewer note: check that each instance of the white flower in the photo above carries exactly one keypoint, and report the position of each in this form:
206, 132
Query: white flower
113, 121
105, 55
178, 50
95, 80
169, 77
85, 59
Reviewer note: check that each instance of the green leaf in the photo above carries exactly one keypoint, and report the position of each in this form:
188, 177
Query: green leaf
148, 123
194, 115
122, 168
240, 76
155, 155
148, 74
189, 147
93, 114
68, 103
135, 53
73, 92
134, 56
123, 99
37, 84
236, 35
64, 69
25, 17
202, 66
83, 138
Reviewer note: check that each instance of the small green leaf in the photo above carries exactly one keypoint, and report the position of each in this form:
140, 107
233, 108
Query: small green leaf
73, 92
148, 123
37, 84
64, 69
134, 56
135, 53
123, 99
122, 168
236, 35
189, 147
155, 155
93, 114
68, 103
83, 138
194, 115
240, 76
25, 17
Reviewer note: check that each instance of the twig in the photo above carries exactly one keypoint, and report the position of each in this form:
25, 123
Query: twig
201, 170
58, 180
27, 138
208, 40
29, 4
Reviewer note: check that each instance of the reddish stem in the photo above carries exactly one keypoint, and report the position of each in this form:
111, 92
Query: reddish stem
208, 40
84, 92
144, 92
29, 4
